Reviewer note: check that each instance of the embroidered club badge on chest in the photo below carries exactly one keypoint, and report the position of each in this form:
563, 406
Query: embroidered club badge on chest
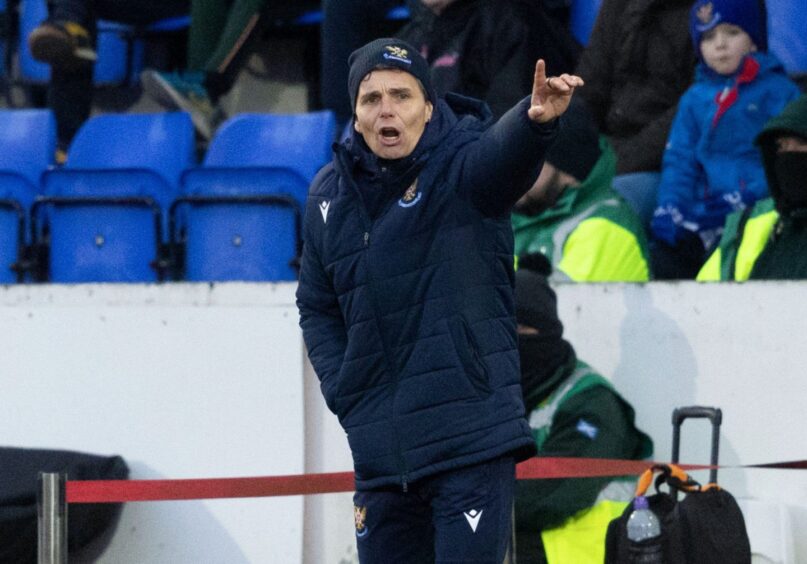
411, 196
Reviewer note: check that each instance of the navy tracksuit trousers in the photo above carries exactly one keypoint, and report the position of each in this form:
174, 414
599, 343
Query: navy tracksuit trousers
462, 515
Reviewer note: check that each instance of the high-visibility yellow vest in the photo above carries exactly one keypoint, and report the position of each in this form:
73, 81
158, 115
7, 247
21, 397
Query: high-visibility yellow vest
744, 238
581, 538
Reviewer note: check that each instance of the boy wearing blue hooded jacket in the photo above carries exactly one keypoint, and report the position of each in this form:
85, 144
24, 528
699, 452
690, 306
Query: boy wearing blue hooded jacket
407, 309
710, 166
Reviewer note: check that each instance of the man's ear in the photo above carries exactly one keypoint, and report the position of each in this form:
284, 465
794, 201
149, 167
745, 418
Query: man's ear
356, 124
429, 111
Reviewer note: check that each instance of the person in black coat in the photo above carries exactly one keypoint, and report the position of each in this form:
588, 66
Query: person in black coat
487, 48
406, 303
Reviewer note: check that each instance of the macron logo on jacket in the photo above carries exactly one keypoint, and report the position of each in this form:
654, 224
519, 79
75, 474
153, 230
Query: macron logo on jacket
323, 209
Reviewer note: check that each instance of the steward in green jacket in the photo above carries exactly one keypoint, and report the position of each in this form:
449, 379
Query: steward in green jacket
573, 411
769, 241
573, 216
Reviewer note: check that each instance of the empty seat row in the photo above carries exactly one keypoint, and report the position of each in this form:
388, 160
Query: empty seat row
131, 205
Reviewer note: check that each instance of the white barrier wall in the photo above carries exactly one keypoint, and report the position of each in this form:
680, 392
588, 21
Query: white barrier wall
183, 381
192, 381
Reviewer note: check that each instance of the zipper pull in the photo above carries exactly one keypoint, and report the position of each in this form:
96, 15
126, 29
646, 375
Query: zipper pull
366, 238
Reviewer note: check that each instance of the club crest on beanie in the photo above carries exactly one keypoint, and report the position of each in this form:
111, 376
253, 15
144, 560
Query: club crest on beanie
387, 53
749, 15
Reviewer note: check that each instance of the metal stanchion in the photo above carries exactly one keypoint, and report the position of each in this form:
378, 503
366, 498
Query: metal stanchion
52, 519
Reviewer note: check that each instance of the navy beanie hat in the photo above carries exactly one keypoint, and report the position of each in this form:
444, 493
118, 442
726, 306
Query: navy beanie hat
387, 53
750, 15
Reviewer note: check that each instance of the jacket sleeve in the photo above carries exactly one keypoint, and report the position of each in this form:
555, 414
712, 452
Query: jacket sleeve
321, 320
498, 168
680, 169
543, 504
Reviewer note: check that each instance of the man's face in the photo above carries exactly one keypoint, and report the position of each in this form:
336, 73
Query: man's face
391, 113
791, 144
544, 193
724, 47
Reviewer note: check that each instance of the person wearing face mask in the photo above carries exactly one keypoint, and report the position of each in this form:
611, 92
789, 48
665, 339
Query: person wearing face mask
767, 242
573, 411
710, 166
574, 217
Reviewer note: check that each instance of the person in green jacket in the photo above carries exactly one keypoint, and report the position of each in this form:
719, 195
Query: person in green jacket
573, 216
573, 411
219, 41
767, 242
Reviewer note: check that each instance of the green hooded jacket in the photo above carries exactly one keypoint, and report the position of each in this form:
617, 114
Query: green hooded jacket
762, 243
590, 234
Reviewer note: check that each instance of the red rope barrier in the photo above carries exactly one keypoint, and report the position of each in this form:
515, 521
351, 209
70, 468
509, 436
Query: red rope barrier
106, 491
116, 491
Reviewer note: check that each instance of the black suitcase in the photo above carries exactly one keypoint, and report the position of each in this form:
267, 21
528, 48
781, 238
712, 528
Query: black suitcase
706, 527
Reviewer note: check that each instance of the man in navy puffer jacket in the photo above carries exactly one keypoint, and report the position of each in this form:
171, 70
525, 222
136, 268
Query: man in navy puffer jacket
406, 304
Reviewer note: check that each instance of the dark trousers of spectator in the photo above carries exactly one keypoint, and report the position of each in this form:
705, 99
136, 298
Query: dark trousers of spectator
462, 515
681, 262
70, 91
346, 26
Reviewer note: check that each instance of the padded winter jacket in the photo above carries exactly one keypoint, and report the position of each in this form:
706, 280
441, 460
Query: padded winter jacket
407, 313
638, 63
710, 151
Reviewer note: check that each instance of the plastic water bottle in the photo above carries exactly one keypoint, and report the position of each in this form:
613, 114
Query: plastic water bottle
644, 534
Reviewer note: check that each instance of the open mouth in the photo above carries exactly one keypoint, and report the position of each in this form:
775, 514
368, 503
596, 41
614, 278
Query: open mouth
389, 134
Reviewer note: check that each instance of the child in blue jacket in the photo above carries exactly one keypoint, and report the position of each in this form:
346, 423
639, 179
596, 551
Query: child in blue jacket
710, 166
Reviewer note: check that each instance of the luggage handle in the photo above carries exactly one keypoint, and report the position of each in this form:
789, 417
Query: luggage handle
672, 475
715, 415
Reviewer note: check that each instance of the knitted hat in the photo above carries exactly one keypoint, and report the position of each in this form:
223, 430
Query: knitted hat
577, 146
749, 15
536, 302
386, 53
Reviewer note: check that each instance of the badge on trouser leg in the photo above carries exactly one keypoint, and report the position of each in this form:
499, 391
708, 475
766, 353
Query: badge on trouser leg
360, 517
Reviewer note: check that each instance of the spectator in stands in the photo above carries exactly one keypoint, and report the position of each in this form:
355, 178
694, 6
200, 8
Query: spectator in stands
66, 41
346, 26
573, 411
406, 304
768, 241
572, 215
637, 64
710, 166
218, 41
487, 49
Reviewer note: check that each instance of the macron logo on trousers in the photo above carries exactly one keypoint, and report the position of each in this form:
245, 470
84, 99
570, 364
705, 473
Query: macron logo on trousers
472, 517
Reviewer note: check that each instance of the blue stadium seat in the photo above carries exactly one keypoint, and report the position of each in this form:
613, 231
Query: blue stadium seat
582, 16
32, 13
301, 142
27, 148
241, 212
105, 212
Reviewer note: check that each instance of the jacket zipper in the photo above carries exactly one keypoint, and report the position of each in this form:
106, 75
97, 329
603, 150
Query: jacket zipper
404, 473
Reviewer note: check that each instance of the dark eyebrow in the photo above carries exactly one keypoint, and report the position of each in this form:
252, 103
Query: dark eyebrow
366, 96
401, 90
